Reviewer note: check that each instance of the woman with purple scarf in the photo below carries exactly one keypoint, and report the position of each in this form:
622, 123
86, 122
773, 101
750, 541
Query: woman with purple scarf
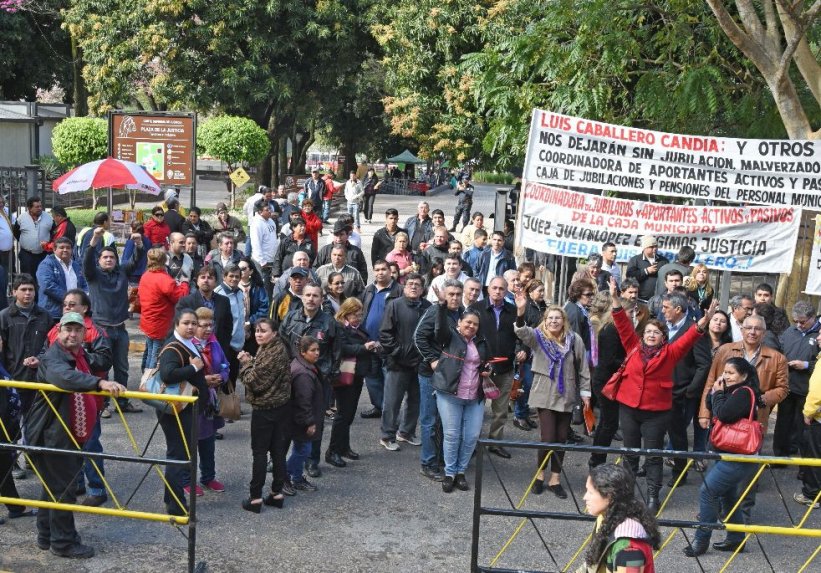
216, 375
560, 374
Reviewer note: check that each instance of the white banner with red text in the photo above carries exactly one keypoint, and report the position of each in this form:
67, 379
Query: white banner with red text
748, 239
814, 272
581, 153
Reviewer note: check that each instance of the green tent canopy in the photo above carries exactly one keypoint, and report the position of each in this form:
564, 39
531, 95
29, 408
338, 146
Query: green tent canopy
406, 157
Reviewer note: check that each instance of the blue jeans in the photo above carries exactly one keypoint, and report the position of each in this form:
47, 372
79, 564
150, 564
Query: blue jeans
521, 410
699, 433
152, 351
118, 339
353, 211
427, 421
326, 211
299, 453
461, 426
719, 492
376, 388
95, 482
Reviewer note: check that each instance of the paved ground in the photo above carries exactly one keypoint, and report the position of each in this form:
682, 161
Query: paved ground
378, 514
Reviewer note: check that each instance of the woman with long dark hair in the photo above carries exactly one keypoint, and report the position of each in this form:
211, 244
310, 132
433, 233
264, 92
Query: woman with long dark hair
334, 293
645, 394
267, 379
718, 333
733, 396
255, 299
626, 531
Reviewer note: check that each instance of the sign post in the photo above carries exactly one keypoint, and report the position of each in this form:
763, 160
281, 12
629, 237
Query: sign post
239, 177
164, 143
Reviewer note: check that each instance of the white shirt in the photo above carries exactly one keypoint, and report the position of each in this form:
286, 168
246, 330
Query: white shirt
736, 328
6, 236
353, 191
248, 207
439, 281
264, 240
68, 271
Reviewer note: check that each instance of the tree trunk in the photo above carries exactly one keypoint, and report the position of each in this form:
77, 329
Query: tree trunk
275, 165
80, 93
283, 157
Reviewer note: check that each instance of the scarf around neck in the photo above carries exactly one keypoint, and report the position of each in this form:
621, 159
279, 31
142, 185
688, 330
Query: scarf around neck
555, 355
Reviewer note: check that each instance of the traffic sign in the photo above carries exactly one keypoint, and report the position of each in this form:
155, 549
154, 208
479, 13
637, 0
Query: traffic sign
239, 177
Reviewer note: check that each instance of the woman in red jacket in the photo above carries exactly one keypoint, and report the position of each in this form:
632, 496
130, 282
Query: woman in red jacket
645, 395
313, 224
156, 229
158, 294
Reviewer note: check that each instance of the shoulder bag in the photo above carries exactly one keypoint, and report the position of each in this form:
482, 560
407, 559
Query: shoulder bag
152, 384
611, 389
743, 436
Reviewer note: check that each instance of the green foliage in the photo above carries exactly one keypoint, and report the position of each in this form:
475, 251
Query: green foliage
51, 166
78, 140
492, 177
235, 140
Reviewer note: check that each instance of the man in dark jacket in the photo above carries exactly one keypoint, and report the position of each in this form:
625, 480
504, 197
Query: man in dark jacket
645, 267
494, 261
674, 308
195, 225
311, 320
172, 216
23, 330
374, 300
356, 258
430, 352
496, 321
383, 239
108, 291
799, 344
64, 365
205, 296
56, 274
419, 227
401, 361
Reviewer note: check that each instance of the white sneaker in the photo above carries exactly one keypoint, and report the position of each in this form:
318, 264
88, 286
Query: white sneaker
412, 440
389, 445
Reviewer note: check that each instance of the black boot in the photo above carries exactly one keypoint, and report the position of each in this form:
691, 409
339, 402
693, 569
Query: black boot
653, 503
697, 548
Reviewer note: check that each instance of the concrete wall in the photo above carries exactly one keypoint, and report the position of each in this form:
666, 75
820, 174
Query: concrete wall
15, 144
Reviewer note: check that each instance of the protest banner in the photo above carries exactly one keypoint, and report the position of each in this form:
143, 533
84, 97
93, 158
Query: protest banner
814, 272
748, 239
576, 152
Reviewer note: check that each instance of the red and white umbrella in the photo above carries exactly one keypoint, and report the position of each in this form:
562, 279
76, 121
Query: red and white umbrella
108, 172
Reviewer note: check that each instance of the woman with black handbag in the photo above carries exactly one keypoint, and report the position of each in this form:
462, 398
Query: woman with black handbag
358, 357
732, 402
179, 362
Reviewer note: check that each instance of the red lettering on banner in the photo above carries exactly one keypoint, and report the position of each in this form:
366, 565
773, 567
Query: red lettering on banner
553, 121
605, 130
689, 143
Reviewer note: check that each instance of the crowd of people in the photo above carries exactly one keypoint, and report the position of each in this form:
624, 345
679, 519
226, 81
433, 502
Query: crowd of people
447, 324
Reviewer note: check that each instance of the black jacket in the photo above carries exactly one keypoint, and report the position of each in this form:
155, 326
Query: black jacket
352, 345
308, 401
501, 341
703, 356
611, 355
449, 369
204, 234
287, 248
579, 323
22, 337
382, 244
394, 291
58, 367
397, 330
174, 221
324, 328
424, 336
801, 346
176, 368
647, 283
223, 319
356, 258
685, 368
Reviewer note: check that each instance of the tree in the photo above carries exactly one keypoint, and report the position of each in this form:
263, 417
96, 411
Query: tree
773, 34
78, 140
235, 140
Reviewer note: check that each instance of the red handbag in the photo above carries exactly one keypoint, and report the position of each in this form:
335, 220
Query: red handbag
743, 436
611, 389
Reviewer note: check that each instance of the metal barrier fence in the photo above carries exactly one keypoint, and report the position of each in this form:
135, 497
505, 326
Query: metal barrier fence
516, 508
121, 508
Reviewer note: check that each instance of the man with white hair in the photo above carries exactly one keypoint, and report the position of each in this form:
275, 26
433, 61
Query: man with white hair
419, 227
513, 285
300, 260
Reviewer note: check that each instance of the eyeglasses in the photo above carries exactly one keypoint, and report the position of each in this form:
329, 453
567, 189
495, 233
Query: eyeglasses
753, 328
